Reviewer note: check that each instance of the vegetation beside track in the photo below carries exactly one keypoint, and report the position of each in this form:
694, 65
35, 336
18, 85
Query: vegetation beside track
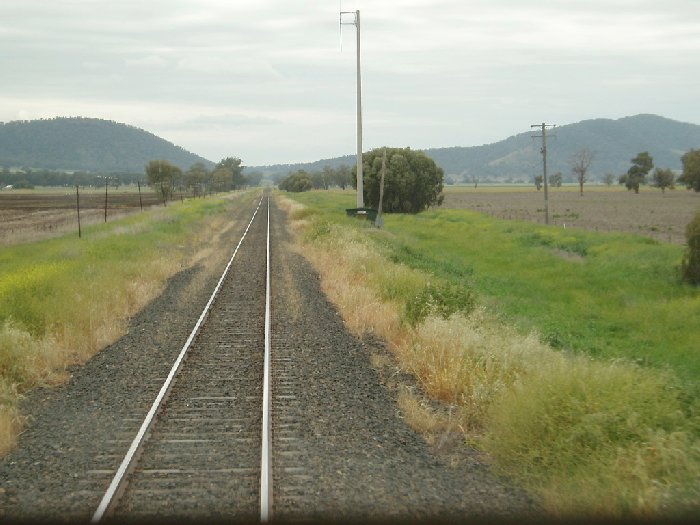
571, 357
63, 299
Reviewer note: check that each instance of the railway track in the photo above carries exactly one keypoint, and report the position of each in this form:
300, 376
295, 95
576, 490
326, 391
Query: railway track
204, 448
341, 448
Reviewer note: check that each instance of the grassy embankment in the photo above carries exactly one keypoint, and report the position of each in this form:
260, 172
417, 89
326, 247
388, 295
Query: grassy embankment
63, 299
571, 357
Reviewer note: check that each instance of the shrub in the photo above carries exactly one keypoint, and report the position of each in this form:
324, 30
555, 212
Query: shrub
690, 266
441, 300
413, 181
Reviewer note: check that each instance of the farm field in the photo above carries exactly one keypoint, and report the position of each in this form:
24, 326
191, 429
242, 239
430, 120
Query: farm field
31, 215
604, 209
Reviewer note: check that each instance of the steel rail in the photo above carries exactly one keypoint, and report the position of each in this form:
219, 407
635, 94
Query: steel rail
266, 463
121, 474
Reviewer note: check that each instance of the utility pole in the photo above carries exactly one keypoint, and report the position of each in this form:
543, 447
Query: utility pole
544, 127
360, 189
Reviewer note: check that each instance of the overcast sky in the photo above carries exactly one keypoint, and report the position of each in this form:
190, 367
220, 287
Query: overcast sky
265, 80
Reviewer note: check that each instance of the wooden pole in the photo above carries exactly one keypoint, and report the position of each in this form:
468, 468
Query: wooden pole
106, 184
379, 221
77, 205
140, 200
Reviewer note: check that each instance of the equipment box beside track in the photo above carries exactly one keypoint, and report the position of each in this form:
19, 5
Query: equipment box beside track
362, 213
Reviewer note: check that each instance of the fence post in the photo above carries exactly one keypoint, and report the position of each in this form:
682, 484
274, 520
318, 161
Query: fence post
140, 200
77, 204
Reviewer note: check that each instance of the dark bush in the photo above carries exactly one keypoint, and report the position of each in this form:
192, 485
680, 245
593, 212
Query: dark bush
690, 267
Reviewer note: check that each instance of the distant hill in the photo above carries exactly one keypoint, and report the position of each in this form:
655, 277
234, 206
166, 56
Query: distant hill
614, 143
86, 144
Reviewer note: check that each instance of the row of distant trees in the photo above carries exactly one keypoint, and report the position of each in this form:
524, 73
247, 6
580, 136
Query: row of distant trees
639, 173
412, 180
29, 178
198, 180
302, 180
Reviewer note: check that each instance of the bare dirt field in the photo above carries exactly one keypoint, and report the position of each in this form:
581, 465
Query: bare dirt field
614, 209
30, 215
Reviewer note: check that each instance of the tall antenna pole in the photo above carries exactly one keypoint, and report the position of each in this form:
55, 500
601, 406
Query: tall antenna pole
544, 127
360, 189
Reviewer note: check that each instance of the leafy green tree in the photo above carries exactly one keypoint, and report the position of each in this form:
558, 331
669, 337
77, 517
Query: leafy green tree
412, 182
328, 176
221, 179
691, 170
539, 180
663, 179
197, 177
343, 176
233, 165
296, 182
690, 267
318, 180
636, 175
162, 176
254, 178
580, 162
557, 179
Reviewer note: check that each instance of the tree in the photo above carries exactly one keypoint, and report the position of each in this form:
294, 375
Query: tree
197, 177
539, 180
557, 179
254, 178
608, 179
690, 267
296, 182
580, 162
663, 179
327, 176
412, 182
161, 176
343, 176
691, 170
318, 180
233, 165
636, 175
221, 179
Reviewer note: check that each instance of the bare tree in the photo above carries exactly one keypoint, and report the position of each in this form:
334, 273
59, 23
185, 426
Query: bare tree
580, 162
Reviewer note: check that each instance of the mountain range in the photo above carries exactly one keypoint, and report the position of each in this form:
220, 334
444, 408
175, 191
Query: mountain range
96, 145
518, 158
86, 144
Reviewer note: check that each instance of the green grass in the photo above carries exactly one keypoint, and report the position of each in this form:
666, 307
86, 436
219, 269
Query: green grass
605, 295
64, 298
598, 412
39, 281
